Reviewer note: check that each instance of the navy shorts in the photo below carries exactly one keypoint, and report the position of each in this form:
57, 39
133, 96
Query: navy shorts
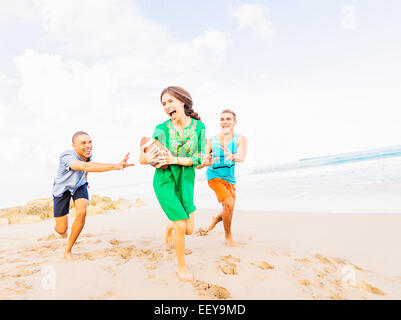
61, 205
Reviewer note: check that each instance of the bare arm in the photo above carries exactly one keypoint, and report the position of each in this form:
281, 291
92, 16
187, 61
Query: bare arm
100, 167
241, 150
207, 159
169, 159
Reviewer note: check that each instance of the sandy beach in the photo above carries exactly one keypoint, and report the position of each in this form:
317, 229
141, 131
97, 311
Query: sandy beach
281, 255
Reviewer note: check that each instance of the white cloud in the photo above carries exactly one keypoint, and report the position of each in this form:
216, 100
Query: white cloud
254, 17
216, 41
100, 28
15, 12
52, 87
115, 29
139, 51
109, 64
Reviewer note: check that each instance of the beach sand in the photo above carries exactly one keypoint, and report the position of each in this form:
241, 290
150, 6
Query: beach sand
281, 255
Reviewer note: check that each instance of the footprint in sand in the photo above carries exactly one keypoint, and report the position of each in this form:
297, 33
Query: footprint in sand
272, 253
89, 235
322, 258
228, 268
227, 265
304, 282
170, 250
211, 290
303, 260
23, 284
26, 272
18, 260
230, 258
368, 287
201, 232
263, 265
50, 237
111, 270
114, 242
156, 256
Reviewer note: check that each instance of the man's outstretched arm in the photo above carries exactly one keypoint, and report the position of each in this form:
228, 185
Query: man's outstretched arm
100, 167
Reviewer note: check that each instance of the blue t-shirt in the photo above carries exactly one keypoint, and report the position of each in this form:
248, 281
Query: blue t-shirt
68, 179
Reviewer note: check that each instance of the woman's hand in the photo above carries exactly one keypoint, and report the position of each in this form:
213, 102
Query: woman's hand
149, 156
166, 159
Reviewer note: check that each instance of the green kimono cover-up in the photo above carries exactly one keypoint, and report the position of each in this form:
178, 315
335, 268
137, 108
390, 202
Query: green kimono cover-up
174, 186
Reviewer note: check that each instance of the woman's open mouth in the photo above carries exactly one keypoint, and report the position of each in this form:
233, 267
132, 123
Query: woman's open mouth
172, 113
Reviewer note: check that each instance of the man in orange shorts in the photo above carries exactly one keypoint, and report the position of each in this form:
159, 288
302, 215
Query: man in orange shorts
229, 148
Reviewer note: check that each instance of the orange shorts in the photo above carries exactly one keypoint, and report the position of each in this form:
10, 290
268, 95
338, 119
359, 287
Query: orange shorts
222, 188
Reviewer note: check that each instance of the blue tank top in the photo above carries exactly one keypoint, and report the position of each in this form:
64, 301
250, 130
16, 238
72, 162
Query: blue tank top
222, 168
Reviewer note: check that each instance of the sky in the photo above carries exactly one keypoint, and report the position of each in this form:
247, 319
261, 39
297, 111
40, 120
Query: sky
306, 78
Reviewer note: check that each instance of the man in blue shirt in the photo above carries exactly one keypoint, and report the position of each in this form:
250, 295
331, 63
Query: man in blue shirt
71, 182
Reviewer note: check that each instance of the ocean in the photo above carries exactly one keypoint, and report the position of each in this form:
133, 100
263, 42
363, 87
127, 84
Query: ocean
357, 182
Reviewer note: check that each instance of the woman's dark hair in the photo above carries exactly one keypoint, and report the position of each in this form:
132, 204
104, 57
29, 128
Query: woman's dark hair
184, 96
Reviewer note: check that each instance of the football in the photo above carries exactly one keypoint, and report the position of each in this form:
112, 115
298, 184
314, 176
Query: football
148, 143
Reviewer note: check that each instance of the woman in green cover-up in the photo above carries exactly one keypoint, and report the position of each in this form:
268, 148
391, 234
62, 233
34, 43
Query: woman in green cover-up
184, 136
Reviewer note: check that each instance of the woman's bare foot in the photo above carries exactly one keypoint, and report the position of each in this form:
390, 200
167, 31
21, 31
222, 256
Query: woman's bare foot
215, 221
71, 257
230, 242
62, 235
183, 274
168, 237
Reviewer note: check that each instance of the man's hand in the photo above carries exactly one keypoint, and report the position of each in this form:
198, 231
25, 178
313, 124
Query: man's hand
124, 163
207, 161
227, 153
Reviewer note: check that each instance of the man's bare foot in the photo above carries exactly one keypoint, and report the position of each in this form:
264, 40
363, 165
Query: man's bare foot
62, 235
168, 237
215, 221
71, 257
230, 242
183, 274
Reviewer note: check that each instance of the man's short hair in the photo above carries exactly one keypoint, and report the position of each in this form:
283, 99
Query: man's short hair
230, 111
77, 134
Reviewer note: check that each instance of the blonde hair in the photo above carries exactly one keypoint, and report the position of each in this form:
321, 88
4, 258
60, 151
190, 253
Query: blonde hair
230, 111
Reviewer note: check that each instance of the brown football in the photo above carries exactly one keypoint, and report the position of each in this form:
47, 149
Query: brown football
150, 142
